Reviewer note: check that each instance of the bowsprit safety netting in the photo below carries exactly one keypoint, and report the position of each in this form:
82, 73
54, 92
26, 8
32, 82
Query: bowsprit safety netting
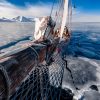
44, 82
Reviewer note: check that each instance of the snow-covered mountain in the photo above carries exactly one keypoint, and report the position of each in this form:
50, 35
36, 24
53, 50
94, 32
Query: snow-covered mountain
17, 19
3, 19
22, 19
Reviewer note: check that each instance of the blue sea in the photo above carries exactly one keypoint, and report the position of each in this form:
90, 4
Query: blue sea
85, 41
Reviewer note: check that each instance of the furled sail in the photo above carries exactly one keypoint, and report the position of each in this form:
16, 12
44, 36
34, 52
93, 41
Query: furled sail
40, 25
65, 17
43, 28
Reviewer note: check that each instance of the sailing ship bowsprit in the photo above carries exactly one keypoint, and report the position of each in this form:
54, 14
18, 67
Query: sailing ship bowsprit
34, 70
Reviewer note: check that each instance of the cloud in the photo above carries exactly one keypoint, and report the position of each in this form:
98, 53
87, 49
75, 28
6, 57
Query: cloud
9, 10
84, 16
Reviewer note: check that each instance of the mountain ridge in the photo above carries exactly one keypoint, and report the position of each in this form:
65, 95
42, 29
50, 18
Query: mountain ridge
17, 19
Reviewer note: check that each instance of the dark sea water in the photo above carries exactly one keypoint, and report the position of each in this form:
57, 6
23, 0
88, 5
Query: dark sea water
85, 44
85, 41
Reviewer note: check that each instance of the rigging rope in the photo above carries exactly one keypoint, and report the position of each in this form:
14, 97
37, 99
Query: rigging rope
56, 17
58, 14
50, 16
52, 7
37, 55
43, 82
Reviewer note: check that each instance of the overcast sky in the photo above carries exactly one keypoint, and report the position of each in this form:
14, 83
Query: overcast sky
84, 11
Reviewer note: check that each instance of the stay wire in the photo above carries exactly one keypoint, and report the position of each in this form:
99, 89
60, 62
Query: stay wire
56, 17
50, 16
58, 14
52, 7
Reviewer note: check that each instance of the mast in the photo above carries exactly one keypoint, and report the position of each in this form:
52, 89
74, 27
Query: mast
69, 15
65, 17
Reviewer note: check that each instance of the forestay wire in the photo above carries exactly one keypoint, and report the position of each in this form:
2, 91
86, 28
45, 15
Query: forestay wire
50, 16
52, 7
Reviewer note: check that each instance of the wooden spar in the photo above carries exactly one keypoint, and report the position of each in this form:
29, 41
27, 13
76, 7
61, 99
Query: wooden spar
65, 18
19, 64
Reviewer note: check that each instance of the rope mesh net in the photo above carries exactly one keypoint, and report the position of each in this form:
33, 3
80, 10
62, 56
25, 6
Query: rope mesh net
43, 83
